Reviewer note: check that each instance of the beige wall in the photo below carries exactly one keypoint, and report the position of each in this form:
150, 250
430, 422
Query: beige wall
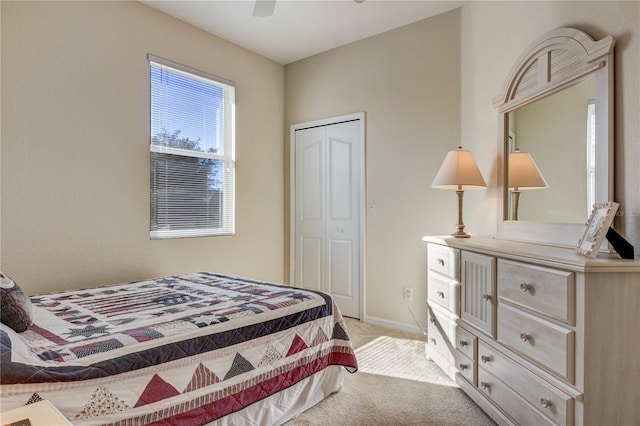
407, 82
75, 147
494, 34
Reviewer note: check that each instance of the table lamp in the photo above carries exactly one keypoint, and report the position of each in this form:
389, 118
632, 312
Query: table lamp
459, 171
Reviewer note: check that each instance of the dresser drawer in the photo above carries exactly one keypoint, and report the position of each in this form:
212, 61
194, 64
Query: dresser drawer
438, 342
443, 321
545, 343
466, 342
441, 333
547, 291
445, 292
514, 406
466, 367
547, 399
443, 260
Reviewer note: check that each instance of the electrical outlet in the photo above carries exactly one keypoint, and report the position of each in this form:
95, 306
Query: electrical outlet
408, 293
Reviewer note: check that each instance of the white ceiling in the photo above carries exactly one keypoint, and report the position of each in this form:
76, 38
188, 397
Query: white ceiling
300, 28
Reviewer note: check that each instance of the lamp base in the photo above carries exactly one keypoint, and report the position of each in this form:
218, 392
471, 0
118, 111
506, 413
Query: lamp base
461, 235
460, 225
515, 198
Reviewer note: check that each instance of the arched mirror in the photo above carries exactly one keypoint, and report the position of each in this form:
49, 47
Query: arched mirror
555, 137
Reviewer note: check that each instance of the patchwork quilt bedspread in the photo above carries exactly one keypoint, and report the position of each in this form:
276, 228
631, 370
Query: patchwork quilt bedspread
178, 350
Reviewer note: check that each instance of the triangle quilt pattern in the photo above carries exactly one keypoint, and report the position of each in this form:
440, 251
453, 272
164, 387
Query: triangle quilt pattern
102, 402
34, 398
320, 338
271, 355
201, 378
156, 390
240, 365
339, 333
297, 345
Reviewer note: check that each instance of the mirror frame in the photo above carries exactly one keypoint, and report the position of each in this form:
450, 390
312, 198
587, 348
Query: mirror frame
557, 60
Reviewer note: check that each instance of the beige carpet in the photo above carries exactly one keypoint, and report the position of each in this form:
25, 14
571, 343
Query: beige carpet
395, 385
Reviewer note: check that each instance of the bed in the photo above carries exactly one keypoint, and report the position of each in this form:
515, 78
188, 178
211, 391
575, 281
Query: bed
191, 349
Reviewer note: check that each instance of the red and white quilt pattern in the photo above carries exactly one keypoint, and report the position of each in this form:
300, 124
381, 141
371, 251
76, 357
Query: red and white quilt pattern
177, 350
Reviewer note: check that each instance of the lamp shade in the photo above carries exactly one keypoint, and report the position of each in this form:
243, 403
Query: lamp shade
459, 171
523, 172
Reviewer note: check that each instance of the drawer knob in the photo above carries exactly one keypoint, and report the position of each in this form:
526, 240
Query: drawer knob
433, 341
525, 287
440, 294
463, 343
464, 367
545, 403
432, 320
440, 261
485, 385
485, 358
525, 337
486, 297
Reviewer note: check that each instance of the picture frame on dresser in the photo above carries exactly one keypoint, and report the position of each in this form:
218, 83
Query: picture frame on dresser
596, 228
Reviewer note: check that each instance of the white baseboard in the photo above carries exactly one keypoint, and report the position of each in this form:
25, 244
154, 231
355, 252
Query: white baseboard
395, 325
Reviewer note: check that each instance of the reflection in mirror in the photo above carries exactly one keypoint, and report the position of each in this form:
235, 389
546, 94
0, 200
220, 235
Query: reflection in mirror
523, 175
558, 132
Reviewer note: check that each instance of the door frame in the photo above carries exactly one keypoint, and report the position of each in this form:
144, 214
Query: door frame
361, 196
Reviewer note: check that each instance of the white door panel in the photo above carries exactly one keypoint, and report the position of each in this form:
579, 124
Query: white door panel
341, 276
340, 179
310, 209
312, 175
311, 263
343, 224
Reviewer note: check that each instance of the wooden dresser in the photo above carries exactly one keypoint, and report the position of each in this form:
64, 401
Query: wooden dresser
536, 334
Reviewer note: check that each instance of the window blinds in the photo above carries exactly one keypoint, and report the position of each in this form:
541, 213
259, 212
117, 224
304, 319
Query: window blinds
192, 152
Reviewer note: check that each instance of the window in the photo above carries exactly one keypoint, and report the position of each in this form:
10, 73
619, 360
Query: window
192, 152
591, 156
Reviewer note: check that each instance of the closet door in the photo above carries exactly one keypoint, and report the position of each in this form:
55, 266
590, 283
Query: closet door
310, 208
327, 212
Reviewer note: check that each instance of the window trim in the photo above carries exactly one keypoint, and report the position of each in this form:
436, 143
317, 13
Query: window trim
187, 69
591, 155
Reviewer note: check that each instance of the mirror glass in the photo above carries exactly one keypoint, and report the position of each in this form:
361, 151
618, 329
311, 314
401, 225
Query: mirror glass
558, 131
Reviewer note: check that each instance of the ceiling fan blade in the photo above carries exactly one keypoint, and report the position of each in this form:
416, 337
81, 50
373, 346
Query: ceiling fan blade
264, 8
